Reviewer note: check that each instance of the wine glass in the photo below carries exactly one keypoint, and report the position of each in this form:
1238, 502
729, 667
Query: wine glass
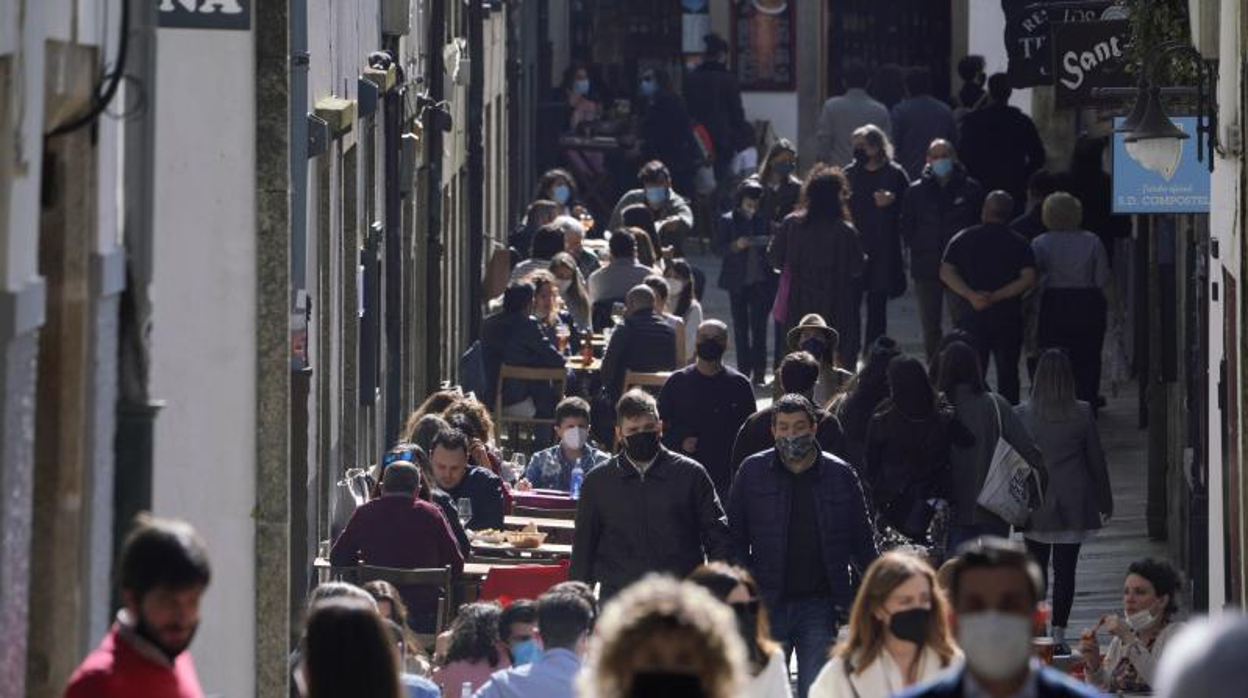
464, 508
617, 313
518, 460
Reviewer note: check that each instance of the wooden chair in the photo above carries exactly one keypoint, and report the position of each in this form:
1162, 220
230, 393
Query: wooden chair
511, 426
439, 578
650, 381
540, 513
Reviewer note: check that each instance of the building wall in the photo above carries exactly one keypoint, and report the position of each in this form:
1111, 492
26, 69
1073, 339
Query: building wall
203, 328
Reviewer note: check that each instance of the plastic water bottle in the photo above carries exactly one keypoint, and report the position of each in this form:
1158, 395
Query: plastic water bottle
577, 476
465, 691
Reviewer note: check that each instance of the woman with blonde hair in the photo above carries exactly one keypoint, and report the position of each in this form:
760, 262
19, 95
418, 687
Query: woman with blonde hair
664, 637
898, 633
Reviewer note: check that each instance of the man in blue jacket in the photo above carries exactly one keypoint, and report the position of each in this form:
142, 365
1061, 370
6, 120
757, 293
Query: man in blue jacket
798, 520
995, 587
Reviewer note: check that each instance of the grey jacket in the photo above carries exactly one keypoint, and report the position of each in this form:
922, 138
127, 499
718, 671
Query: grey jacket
843, 115
1079, 490
969, 464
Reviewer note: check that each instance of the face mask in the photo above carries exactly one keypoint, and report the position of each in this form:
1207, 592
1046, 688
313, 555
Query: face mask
784, 169
665, 684
648, 87
942, 167
860, 155
997, 645
581, 87
749, 208
642, 447
656, 195
675, 287
710, 350
1141, 620
573, 438
561, 192
795, 448
525, 652
910, 625
563, 285
816, 347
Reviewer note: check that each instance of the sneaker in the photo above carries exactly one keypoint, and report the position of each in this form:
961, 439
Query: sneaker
1061, 649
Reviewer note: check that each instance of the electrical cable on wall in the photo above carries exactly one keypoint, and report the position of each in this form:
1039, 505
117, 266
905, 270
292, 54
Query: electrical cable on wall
107, 89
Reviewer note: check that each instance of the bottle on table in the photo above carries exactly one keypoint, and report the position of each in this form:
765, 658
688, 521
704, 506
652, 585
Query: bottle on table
466, 691
578, 476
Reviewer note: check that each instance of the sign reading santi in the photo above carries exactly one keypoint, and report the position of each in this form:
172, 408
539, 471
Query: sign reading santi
205, 14
1087, 55
1181, 188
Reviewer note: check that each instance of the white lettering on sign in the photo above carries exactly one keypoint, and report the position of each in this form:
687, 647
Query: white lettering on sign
1078, 63
205, 7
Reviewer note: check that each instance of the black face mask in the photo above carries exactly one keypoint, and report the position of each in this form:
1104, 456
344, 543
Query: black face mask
861, 155
665, 684
816, 347
910, 625
642, 447
711, 350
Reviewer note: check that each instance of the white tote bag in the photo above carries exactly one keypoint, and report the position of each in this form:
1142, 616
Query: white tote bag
1005, 492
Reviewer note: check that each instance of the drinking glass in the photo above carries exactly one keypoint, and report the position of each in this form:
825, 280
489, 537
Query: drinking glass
464, 507
617, 313
562, 334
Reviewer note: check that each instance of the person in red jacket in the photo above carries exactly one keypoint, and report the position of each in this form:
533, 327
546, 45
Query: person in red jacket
164, 571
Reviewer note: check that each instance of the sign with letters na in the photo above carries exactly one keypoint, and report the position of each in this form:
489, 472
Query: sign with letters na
205, 14
1138, 190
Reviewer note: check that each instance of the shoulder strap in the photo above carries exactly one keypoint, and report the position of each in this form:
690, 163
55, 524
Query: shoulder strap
996, 407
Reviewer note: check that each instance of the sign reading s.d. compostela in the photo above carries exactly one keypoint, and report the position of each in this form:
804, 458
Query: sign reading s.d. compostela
1186, 189
205, 14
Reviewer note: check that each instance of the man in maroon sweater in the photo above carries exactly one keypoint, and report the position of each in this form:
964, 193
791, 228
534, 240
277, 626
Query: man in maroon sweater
400, 530
164, 571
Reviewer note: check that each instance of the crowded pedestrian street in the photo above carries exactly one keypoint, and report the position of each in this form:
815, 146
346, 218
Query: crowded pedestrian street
606, 349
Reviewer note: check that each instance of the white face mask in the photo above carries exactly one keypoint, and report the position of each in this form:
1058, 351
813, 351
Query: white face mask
675, 287
997, 645
574, 438
563, 285
1141, 619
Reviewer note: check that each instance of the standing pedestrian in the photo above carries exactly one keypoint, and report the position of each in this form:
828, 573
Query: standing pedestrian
666, 130
798, 522
646, 510
162, 574
988, 268
1031, 224
782, 191
1074, 269
814, 336
987, 417
971, 69
859, 402
714, 99
701, 404
920, 119
1080, 498
843, 115
798, 374
1000, 144
878, 185
938, 205
682, 284
820, 251
741, 238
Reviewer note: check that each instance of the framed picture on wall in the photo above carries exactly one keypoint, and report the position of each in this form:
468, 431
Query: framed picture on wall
764, 42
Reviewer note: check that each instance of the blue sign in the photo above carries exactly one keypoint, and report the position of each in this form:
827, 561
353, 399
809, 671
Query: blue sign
1183, 187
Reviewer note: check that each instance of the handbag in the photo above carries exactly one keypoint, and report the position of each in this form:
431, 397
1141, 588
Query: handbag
1006, 488
780, 309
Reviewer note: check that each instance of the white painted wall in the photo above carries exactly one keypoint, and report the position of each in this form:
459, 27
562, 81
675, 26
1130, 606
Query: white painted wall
20, 254
780, 108
986, 37
203, 334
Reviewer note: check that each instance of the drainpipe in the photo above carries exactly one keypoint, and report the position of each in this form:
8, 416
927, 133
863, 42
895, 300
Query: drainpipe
434, 249
476, 164
393, 261
299, 60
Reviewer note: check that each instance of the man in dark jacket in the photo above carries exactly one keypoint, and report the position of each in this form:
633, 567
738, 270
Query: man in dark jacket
920, 119
400, 530
714, 100
645, 343
988, 268
645, 510
938, 205
1031, 225
703, 403
1000, 144
515, 338
798, 373
741, 238
461, 480
798, 520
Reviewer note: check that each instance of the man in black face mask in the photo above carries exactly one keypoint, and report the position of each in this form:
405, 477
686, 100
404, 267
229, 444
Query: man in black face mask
645, 510
706, 403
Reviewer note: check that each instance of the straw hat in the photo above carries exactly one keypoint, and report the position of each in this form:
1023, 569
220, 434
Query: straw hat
813, 321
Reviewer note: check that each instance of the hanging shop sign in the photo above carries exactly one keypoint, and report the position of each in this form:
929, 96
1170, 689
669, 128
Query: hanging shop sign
1027, 34
1088, 55
205, 14
1182, 186
765, 45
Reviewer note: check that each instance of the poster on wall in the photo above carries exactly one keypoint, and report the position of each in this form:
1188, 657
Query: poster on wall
695, 23
765, 45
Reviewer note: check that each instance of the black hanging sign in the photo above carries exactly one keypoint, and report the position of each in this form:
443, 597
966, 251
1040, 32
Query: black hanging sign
1088, 55
1027, 40
205, 14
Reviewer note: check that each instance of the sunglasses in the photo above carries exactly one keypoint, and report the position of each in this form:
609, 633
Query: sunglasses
751, 607
393, 456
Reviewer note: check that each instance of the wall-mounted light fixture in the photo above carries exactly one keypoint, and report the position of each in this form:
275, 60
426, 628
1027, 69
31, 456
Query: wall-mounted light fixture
1152, 139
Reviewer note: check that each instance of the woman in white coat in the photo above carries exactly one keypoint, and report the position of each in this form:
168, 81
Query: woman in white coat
898, 633
769, 673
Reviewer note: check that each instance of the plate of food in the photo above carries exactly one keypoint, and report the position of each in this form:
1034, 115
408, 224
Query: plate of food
490, 535
527, 537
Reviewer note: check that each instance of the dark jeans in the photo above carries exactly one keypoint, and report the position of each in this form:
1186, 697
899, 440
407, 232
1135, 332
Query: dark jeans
1074, 319
1000, 337
806, 626
931, 295
853, 339
1065, 558
751, 310
959, 534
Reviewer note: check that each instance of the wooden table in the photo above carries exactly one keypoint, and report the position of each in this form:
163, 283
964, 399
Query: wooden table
546, 551
543, 524
575, 363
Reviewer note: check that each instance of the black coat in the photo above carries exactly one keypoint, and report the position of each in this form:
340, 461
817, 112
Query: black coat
879, 228
907, 460
628, 525
778, 203
644, 343
737, 263
714, 99
667, 135
1001, 148
932, 214
515, 339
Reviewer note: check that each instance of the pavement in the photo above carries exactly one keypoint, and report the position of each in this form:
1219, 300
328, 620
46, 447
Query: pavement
1103, 561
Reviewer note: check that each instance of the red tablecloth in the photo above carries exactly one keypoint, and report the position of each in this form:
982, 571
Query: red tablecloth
543, 499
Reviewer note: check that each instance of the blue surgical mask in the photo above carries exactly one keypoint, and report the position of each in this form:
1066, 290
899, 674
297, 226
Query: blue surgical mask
561, 192
648, 87
525, 652
942, 167
581, 87
656, 195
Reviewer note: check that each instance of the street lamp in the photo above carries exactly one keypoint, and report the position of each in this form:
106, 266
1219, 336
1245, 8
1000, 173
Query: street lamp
1153, 140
